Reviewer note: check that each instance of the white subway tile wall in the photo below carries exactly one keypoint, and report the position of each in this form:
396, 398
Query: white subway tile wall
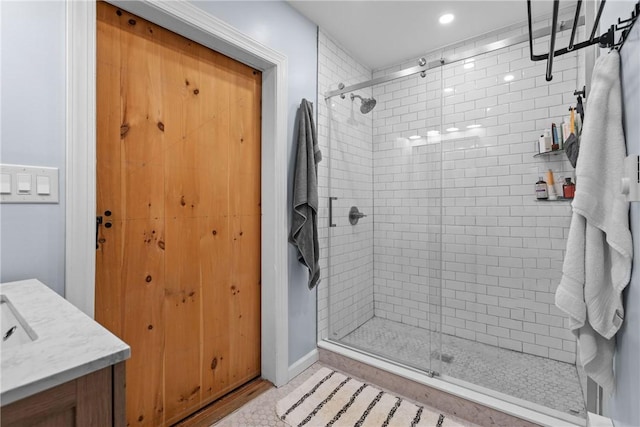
458, 242
346, 172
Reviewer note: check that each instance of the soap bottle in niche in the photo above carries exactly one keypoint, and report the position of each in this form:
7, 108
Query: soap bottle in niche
551, 186
542, 191
568, 188
548, 141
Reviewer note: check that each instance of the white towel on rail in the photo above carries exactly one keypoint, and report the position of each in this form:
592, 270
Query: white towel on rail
597, 263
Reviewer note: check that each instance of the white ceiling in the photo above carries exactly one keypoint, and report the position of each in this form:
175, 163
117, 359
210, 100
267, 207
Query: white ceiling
382, 33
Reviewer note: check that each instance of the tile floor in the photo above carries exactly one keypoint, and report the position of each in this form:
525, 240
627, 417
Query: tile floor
261, 412
537, 379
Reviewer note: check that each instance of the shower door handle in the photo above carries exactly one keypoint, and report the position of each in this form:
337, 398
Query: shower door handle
331, 199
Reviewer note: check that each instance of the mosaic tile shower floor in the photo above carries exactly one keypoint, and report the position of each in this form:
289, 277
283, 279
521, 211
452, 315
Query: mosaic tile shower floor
537, 379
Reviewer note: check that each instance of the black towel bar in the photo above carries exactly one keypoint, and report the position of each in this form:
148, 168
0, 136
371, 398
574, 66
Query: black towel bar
607, 39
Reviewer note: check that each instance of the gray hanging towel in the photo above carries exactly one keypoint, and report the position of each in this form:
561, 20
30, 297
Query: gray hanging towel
304, 219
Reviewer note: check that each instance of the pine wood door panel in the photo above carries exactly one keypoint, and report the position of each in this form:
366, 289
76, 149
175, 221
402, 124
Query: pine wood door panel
178, 270
173, 113
182, 188
213, 172
215, 245
245, 279
108, 110
183, 299
143, 270
109, 285
141, 94
244, 155
142, 190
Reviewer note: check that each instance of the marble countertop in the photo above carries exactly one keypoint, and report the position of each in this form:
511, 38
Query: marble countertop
69, 344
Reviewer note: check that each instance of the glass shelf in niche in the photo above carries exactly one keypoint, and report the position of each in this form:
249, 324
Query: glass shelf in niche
550, 153
559, 199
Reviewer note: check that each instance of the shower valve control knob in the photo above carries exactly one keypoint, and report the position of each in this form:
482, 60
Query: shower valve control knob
355, 215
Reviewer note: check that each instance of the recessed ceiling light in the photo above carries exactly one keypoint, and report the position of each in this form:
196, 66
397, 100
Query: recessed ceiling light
433, 133
448, 89
452, 129
468, 65
415, 137
474, 126
447, 18
508, 77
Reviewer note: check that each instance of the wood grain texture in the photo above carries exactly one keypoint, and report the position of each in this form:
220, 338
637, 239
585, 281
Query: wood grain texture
64, 418
226, 405
85, 401
109, 312
215, 245
178, 271
119, 396
182, 319
94, 398
35, 409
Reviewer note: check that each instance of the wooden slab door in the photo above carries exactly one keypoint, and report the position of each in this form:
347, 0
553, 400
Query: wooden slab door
178, 193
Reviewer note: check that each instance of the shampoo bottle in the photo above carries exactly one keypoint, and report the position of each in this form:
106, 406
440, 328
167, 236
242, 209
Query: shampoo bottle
551, 186
555, 145
548, 141
542, 192
568, 188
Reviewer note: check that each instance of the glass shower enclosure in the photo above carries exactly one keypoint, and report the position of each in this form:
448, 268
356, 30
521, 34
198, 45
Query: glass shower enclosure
453, 269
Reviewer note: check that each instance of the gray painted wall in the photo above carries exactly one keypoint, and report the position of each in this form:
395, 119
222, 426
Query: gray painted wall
279, 26
625, 404
33, 133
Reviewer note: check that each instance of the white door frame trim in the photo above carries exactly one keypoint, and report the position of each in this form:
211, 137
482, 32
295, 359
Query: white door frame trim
195, 24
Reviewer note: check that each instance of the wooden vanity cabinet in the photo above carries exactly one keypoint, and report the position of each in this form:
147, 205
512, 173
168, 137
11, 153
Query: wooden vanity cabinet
96, 399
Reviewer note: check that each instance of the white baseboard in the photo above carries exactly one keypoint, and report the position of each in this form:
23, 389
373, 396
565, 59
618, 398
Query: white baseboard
303, 363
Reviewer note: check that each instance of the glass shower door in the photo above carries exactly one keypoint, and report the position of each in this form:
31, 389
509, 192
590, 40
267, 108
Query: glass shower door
350, 201
503, 249
384, 284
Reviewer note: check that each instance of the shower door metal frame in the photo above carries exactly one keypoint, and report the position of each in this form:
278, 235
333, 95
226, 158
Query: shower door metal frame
490, 47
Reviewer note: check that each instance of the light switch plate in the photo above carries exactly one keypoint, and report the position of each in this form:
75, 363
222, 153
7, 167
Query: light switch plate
5, 184
24, 183
27, 184
43, 185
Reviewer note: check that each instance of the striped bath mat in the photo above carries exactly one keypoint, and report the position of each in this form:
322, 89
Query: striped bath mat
329, 398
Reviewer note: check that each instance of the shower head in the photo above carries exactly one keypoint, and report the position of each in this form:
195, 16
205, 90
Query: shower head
366, 104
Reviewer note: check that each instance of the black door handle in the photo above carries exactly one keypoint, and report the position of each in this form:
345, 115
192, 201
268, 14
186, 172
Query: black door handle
98, 222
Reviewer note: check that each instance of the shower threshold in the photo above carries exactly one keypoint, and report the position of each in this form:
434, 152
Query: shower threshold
545, 382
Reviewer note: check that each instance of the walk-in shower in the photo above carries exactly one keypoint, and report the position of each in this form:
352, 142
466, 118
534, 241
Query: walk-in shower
453, 271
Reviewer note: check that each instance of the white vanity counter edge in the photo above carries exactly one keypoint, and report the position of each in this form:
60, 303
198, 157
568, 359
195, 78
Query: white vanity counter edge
69, 344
